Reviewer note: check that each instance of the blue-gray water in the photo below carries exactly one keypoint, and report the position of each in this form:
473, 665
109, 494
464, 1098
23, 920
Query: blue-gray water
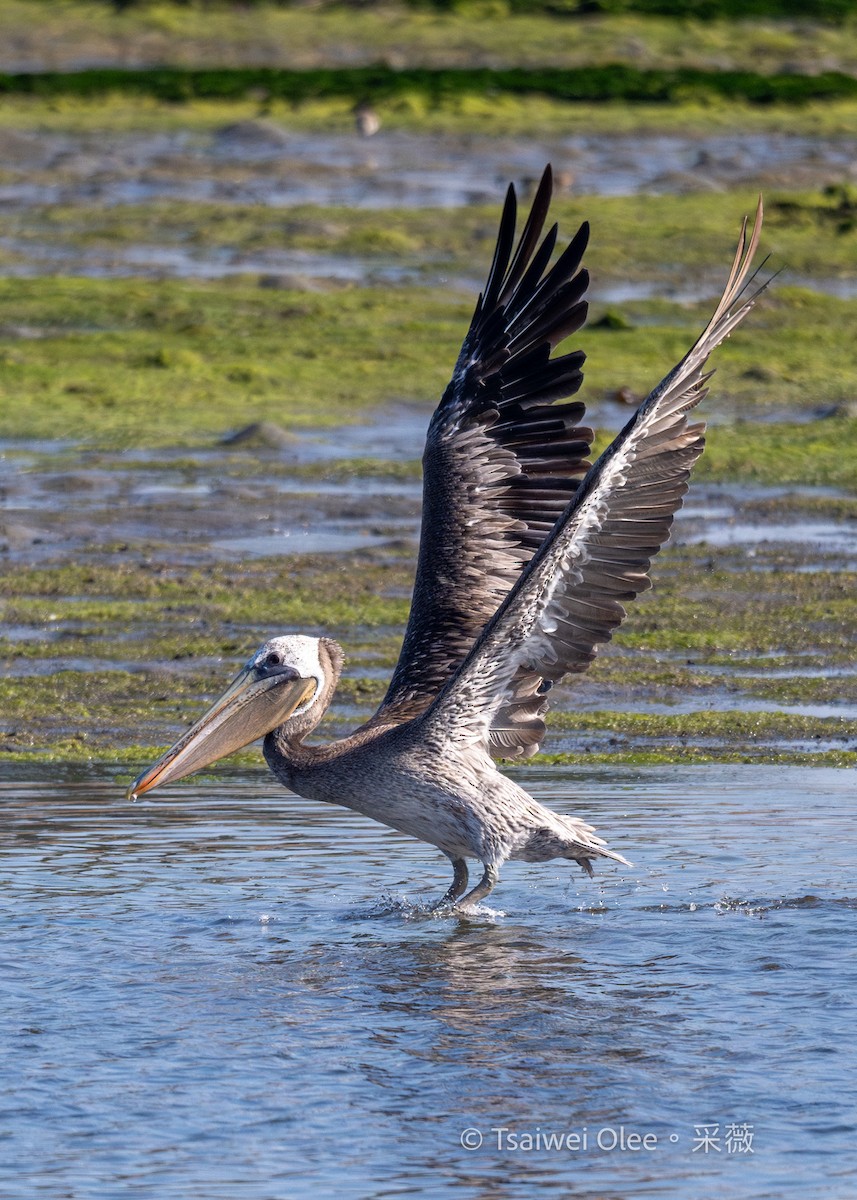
204, 996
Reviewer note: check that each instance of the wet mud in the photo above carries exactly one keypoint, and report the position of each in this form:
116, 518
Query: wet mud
134, 587
260, 162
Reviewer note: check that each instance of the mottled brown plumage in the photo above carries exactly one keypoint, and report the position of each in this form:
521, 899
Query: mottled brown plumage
527, 557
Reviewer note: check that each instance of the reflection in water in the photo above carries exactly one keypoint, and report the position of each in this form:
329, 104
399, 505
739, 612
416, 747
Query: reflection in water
204, 996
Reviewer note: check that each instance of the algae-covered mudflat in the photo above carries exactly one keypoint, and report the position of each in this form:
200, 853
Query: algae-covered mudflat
174, 272
173, 363
71, 36
146, 554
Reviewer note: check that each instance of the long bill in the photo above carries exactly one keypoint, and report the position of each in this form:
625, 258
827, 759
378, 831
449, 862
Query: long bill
248, 709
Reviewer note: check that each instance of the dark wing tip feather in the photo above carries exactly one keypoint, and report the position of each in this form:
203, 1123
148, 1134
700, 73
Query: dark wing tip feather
503, 458
502, 249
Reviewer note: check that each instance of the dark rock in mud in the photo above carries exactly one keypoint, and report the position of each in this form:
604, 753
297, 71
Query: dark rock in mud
685, 183
263, 435
845, 408
626, 395
253, 135
15, 535
287, 282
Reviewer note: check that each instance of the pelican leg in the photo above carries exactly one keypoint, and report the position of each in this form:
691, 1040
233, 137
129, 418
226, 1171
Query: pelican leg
459, 883
483, 887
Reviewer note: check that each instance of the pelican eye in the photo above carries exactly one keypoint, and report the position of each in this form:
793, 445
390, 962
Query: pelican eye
275, 664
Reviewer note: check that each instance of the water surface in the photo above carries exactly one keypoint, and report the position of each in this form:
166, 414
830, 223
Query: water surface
230, 991
263, 162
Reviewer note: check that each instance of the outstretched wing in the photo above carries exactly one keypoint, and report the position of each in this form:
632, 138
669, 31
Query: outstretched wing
569, 598
502, 460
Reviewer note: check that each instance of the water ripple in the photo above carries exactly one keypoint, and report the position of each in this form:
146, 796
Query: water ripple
230, 987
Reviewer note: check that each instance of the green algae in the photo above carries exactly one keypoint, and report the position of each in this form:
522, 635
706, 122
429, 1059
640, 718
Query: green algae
188, 629
709, 724
312, 591
133, 363
111, 368
704, 611
823, 453
599, 83
670, 234
803, 504
801, 689
136, 758
819, 453
692, 754
485, 115
361, 467
777, 678
90, 710
149, 364
463, 33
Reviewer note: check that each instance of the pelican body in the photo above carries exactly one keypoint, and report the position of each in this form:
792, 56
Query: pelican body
527, 557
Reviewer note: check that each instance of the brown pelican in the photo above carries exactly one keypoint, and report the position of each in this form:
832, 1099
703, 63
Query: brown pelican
526, 557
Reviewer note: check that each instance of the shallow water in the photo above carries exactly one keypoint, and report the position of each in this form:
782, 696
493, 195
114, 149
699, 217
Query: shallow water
208, 996
342, 539
836, 537
202, 512
213, 505
261, 162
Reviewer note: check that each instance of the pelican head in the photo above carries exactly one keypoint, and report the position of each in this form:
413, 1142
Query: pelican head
284, 679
